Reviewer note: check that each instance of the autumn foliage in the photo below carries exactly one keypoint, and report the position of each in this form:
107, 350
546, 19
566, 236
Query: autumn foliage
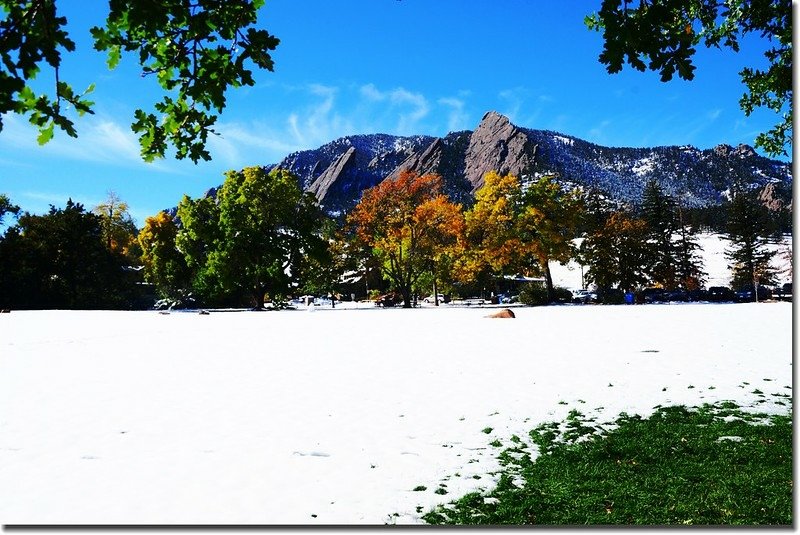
516, 229
409, 224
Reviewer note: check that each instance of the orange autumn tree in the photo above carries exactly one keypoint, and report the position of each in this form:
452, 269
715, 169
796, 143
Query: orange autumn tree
409, 224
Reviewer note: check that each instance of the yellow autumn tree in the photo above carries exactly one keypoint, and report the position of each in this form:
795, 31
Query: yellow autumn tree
164, 265
515, 228
494, 244
118, 228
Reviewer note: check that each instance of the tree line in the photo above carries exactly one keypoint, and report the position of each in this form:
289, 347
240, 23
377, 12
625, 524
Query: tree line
262, 239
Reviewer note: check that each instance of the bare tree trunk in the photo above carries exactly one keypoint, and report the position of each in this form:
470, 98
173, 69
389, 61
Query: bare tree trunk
435, 287
548, 280
258, 298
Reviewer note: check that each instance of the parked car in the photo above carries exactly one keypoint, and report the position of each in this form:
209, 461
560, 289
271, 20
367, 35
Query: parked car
784, 292
747, 294
389, 300
720, 294
654, 295
430, 299
583, 296
678, 295
698, 295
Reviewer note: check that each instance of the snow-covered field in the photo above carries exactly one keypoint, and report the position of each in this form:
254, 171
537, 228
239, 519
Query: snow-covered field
336, 416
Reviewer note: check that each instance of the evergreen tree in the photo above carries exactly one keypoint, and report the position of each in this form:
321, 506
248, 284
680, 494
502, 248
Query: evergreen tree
690, 273
673, 249
658, 211
6, 207
748, 228
617, 254
59, 260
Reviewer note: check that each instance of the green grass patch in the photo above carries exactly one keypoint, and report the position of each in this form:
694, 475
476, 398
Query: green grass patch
713, 465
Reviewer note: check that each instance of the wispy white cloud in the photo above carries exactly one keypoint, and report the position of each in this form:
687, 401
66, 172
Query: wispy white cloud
240, 144
320, 121
100, 140
407, 107
514, 99
457, 118
598, 132
699, 125
39, 201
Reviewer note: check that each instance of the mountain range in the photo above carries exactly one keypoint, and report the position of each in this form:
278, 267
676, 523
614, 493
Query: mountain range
339, 171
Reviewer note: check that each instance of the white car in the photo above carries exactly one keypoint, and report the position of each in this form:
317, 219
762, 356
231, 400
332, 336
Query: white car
430, 299
583, 296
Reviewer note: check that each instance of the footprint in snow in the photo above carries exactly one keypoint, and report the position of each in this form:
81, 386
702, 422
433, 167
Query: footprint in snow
311, 454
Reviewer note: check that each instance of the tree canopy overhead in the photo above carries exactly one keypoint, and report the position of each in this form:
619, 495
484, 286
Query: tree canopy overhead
662, 35
195, 49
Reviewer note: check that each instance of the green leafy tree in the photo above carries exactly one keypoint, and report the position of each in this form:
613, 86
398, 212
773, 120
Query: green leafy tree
198, 235
748, 229
549, 221
6, 207
663, 35
324, 273
256, 239
195, 50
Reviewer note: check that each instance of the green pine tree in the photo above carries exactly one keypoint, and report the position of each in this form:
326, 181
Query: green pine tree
748, 229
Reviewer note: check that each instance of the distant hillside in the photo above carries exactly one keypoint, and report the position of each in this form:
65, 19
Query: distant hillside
339, 171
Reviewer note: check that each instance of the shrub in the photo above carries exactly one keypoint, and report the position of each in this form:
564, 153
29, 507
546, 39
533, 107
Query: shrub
533, 295
612, 297
536, 295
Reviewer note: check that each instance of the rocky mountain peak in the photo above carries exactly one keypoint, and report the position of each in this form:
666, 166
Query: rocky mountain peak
329, 176
497, 145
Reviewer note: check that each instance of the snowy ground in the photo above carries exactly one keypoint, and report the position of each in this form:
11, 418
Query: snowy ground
335, 416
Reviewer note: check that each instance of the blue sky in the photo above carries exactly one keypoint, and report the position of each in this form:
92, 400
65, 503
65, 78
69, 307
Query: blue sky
377, 66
